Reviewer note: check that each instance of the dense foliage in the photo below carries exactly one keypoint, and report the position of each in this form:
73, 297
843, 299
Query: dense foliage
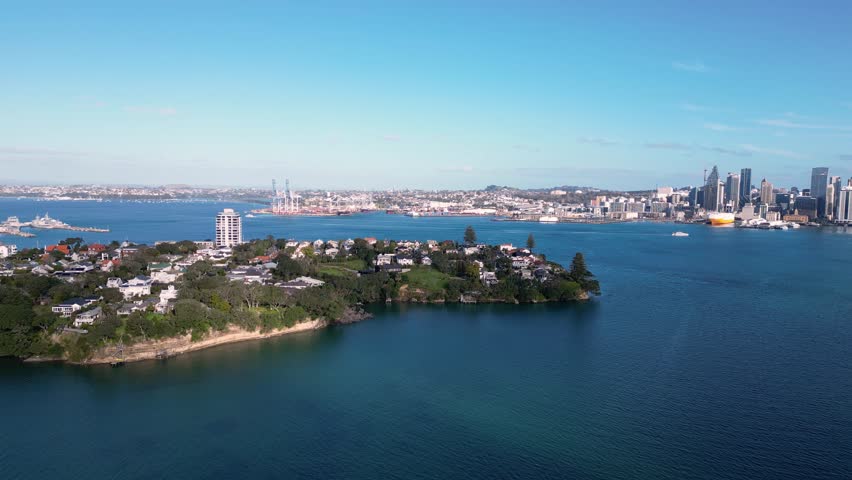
208, 301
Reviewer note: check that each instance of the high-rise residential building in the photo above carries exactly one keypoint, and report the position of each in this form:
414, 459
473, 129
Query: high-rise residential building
844, 206
732, 191
766, 196
829, 201
837, 181
745, 186
229, 228
713, 194
819, 184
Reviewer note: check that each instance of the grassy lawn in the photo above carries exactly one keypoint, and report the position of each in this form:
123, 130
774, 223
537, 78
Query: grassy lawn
335, 271
351, 264
426, 278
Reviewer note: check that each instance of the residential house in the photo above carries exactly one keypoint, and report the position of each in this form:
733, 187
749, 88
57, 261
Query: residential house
391, 268
7, 250
64, 249
249, 275
167, 276
301, 283
405, 260
136, 287
167, 294
488, 278
68, 307
385, 259
88, 317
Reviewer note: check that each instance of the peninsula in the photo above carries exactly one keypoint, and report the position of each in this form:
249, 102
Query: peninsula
123, 302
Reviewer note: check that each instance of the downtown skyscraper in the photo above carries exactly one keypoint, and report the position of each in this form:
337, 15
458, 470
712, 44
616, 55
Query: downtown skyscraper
819, 186
713, 193
745, 186
732, 191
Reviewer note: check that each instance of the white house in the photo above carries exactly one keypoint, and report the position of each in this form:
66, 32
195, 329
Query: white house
405, 260
167, 294
113, 282
68, 307
7, 250
166, 276
88, 317
385, 258
136, 287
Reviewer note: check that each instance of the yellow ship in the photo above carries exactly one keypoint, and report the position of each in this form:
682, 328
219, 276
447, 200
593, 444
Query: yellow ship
721, 218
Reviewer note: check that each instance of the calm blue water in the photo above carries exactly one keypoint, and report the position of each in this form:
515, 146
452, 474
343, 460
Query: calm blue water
727, 354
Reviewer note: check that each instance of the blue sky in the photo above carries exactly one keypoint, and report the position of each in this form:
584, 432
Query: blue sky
423, 94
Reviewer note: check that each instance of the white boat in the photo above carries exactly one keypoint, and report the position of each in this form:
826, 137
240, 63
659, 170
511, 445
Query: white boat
680, 234
548, 219
250, 215
412, 214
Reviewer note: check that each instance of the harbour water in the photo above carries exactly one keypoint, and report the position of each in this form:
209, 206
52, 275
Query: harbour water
726, 354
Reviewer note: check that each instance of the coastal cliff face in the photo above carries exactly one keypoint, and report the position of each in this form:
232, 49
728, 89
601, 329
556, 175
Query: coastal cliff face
154, 349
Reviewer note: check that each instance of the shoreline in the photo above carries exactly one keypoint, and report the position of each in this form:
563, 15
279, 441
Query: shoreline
171, 347
174, 346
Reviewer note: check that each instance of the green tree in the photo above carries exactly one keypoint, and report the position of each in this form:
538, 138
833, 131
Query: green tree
581, 274
530, 241
469, 235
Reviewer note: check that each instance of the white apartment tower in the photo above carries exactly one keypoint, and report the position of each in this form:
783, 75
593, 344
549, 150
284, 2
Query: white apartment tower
844, 206
229, 228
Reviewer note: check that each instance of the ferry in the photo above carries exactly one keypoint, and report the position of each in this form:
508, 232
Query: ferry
250, 215
721, 218
680, 234
412, 214
548, 219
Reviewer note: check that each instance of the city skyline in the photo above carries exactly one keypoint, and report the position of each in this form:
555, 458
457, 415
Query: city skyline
437, 96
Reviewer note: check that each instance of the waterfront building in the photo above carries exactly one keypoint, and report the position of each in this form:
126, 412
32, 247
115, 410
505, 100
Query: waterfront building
806, 205
766, 192
837, 183
783, 200
745, 186
229, 228
796, 218
7, 250
713, 194
732, 191
844, 206
819, 184
829, 201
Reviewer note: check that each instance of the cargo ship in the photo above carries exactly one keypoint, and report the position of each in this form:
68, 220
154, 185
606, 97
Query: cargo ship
721, 218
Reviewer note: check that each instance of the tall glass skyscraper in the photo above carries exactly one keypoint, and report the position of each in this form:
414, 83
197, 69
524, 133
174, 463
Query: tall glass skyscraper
713, 195
819, 183
745, 186
732, 191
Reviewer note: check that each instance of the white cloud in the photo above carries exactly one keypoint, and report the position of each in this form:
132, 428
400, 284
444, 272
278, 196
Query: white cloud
693, 66
720, 127
784, 123
771, 151
604, 142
